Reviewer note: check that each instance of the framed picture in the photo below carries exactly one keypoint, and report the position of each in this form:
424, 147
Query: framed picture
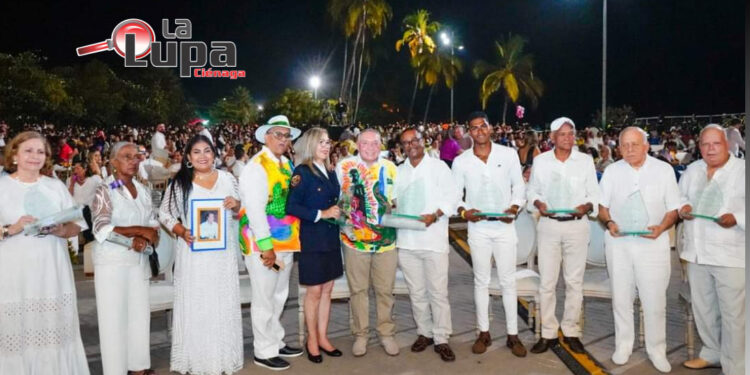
209, 224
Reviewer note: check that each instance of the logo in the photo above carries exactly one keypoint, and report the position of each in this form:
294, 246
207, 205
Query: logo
134, 40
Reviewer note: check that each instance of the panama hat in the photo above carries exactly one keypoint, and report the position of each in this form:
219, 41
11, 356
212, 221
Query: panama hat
276, 121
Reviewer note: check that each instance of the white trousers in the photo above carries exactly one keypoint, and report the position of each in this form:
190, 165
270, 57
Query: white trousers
718, 295
426, 274
486, 243
270, 291
124, 316
563, 243
641, 263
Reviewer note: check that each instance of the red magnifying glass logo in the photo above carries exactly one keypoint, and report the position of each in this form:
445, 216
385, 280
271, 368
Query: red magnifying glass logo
143, 32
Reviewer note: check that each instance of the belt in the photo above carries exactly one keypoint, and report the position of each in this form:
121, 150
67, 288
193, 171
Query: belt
565, 218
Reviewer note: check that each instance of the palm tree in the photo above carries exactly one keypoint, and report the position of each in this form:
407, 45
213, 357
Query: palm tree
514, 74
436, 68
417, 37
357, 18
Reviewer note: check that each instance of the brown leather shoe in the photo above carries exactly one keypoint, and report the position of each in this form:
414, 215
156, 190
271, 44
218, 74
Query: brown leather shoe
446, 354
421, 344
516, 346
483, 341
699, 363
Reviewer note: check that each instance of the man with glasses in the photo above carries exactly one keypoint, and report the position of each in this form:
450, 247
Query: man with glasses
270, 241
491, 175
367, 193
426, 189
563, 189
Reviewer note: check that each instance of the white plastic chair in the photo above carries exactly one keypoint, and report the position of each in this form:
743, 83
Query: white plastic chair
684, 294
161, 292
527, 280
596, 282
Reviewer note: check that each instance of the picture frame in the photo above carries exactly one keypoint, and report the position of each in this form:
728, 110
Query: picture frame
209, 224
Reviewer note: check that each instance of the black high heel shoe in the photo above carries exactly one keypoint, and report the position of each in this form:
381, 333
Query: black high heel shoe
332, 353
313, 358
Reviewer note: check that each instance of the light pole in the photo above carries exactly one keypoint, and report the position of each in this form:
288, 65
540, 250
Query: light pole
315, 83
604, 65
448, 41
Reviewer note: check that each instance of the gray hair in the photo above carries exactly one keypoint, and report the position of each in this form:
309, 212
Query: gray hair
119, 146
369, 130
713, 126
639, 130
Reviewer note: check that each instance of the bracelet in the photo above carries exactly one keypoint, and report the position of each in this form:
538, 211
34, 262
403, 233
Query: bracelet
463, 212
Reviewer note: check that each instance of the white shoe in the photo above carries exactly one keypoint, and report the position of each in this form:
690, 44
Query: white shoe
620, 357
360, 346
661, 363
390, 345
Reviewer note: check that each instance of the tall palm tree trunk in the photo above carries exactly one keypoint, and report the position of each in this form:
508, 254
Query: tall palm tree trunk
359, 70
427, 107
343, 68
505, 109
413, 97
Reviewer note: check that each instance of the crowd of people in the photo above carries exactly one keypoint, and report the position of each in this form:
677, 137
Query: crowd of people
338, 203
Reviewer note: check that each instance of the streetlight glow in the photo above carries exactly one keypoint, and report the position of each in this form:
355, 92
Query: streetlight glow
260, 107
315, 83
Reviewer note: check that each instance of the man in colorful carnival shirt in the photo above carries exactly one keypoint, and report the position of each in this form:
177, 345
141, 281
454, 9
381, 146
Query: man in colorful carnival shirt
491, 175
268, 238
367, 193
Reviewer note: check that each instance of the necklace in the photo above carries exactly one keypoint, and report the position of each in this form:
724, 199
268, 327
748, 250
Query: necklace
201, 177
18, 178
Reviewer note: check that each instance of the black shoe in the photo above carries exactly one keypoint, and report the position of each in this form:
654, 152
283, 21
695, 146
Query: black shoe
574, 343
314, 358
332, 353
275, 363
288, 351
542, 345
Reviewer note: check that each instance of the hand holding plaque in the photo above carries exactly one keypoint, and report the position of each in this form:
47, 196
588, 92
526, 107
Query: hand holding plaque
633, 216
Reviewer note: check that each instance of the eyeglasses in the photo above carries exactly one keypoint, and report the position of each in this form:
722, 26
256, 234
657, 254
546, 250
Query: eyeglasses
414, 142
130, 158
326, 142
281, 135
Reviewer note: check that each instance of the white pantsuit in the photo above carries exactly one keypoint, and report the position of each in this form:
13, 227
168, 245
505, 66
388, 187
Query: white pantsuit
562, 185
121, 279
637, 262
716, 263
270, 290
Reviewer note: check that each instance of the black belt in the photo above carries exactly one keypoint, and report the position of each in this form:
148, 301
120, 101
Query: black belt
565, 218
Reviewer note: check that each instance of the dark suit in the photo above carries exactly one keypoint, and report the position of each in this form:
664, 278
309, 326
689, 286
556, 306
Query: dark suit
320, 258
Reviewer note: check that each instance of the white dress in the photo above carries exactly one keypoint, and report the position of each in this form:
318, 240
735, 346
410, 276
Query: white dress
207, 326
39, 330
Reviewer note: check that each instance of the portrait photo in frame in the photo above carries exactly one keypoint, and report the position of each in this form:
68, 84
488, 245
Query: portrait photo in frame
209, 224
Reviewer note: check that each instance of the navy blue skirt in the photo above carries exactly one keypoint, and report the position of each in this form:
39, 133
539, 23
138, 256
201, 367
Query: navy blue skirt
316, 268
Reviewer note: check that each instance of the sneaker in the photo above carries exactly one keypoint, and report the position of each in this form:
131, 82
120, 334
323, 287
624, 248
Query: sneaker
275, 363
360, 346
660, 363
390, 345
483, 341
620, 357
422, 343
516, 346
287, 351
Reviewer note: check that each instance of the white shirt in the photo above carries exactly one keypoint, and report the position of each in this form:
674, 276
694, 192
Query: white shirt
207, 134
423, 190
158, 141
490, 187
735, 141
151, 169
654, 179
706, 242
237, 168
254, 193
577, 173
84, 194
209, 230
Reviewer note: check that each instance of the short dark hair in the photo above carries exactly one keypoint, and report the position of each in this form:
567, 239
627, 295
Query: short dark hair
476, 115
735, 121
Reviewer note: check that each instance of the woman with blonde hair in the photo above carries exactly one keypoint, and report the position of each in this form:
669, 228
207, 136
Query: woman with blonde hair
313, 194
39, 329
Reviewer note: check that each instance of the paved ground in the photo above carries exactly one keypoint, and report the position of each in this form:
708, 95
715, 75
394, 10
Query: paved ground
598, 337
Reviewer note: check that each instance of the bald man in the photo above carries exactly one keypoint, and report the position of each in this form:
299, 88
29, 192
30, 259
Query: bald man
639, 260
715, 251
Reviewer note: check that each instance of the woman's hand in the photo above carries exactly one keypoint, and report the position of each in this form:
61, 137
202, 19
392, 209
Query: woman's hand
232, 204
140, 244
332, 212
22, 222
150, 234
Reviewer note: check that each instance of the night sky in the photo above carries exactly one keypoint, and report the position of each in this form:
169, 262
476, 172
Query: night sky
665, 57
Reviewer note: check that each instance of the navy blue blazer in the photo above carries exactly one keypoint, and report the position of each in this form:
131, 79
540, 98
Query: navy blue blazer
308, 193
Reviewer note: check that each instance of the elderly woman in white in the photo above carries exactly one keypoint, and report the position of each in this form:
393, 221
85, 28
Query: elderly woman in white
124, 226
